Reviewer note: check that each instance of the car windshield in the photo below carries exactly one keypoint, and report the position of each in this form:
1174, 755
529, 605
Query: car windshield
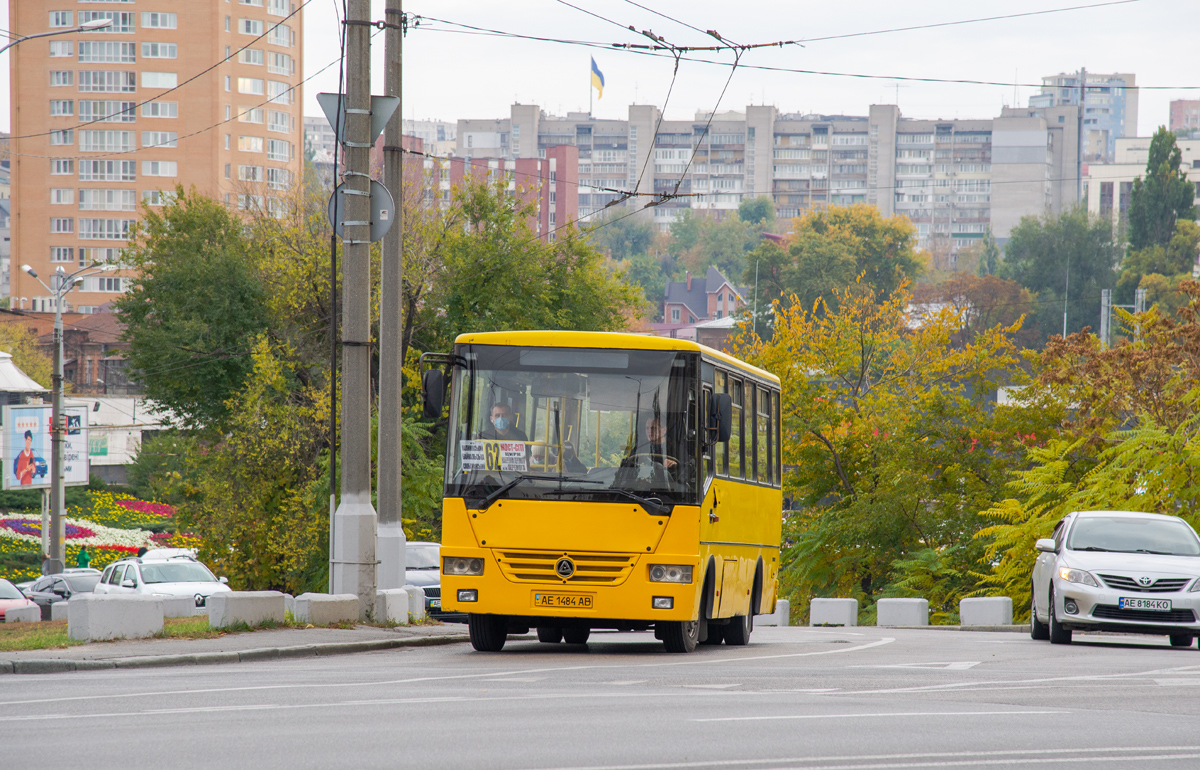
82, 584
9, 591
573, 423
422, 556
182, 572
1128, 534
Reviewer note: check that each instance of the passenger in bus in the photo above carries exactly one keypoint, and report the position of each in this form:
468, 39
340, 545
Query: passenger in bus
502, 427
655, 432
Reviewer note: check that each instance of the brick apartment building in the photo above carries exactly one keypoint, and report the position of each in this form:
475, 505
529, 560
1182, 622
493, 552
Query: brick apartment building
97, 129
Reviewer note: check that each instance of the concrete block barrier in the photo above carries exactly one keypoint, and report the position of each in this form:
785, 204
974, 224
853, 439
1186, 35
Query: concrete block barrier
58, 611
29, 614
780, 617
289, 604
902, 612
833, 612
250, 607
986, 611
325, 609
391, 606
180, 607
92, 617
416, 602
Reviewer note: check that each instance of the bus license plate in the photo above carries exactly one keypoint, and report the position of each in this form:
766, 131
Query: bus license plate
563, 601
1157, 605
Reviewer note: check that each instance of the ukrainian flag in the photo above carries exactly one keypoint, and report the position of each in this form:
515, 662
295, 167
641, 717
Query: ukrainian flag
597, 79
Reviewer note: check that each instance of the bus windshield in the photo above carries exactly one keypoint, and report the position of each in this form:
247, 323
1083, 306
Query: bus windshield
575, 424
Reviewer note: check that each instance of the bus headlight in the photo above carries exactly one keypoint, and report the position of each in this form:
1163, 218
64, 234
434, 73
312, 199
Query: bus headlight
458, 565
670, 573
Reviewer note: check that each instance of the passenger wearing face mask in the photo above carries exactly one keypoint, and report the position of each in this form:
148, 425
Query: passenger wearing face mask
502, 427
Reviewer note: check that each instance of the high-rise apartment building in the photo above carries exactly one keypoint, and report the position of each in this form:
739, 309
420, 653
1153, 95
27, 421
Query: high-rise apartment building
955, 179
1185, 115
1110, 107
200, 94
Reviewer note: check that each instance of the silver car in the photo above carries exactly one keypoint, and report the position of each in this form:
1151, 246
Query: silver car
1117, 571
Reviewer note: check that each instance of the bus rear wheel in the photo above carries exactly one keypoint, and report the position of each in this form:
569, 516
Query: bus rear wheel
680, 635
549, 634
576, 635
737, 633
488, 632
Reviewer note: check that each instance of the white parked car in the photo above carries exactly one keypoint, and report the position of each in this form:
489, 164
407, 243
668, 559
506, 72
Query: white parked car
168, 576
1117, 571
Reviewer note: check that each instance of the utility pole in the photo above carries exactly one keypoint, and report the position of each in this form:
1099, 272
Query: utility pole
1082, 144
391, 543
354, 521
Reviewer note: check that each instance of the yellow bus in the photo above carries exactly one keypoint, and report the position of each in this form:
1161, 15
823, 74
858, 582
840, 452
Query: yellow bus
607, 481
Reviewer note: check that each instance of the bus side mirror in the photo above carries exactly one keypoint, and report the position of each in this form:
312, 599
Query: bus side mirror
721, 416
433, 392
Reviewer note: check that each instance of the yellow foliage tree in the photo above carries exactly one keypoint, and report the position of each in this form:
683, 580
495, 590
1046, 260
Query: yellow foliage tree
21, 342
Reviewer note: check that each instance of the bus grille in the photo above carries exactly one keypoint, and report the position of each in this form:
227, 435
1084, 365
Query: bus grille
590, 568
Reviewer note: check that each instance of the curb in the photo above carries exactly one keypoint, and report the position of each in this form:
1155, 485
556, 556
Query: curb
59, 666
1019, 629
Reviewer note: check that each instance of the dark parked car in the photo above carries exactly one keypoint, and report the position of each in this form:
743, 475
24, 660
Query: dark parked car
423, 562
50, 589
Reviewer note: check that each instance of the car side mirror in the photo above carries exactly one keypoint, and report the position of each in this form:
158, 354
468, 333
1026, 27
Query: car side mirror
1046, 545
128, 583
223, 579
433, 393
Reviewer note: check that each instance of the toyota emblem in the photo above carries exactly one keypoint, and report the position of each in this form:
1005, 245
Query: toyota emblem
565, 568
1145, 581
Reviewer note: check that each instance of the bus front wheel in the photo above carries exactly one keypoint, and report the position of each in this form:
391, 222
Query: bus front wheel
737, 633
488, 632
680, 635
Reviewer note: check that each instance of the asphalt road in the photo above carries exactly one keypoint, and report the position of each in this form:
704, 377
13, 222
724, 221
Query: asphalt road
795, 698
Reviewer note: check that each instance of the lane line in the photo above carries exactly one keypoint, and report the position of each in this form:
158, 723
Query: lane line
880, 715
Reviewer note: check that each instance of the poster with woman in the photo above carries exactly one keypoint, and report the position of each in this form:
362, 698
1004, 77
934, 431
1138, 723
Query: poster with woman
28, 449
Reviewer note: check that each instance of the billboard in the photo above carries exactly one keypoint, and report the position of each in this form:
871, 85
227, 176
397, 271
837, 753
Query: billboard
27, 451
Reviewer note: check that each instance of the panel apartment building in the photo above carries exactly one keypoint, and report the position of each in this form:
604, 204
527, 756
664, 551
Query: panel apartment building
1110, 107
955, 179
97, 129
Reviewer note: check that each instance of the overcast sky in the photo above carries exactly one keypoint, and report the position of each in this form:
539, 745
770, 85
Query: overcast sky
449, 76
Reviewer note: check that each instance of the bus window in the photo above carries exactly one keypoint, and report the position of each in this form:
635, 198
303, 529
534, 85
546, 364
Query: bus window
722, 448
778, 440
762, 438
708, 448
735, 436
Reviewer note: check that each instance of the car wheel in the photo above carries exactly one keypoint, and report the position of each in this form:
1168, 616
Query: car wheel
737, 633
680, 635
1037, 629
576, 635
550, 634
488, 632
1058, 634
1181, 640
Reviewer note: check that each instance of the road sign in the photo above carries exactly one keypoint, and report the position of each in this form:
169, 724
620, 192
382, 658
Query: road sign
382, 108
383, 210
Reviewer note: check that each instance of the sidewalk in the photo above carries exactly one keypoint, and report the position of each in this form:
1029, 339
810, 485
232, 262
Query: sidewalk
231, 648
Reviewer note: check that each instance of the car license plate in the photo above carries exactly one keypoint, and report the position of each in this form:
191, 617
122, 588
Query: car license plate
563, 601
1134, 603
435, 604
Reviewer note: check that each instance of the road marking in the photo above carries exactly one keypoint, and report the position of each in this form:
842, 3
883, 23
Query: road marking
700, 660
881, 715
627, 682
516, 679
961, 665
711, 686
1037, 756
1177, 682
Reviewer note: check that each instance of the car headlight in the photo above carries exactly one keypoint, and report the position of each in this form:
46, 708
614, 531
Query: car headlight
670, 573
1195, 586
458, 565
1078, 576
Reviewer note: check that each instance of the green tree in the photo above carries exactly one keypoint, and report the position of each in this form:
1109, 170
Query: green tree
195, 308
989, 260
759, 211
21, 343
1162, 197
1071, 255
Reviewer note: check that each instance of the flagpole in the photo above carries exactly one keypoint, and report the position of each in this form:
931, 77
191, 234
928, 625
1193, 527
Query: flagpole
589, 91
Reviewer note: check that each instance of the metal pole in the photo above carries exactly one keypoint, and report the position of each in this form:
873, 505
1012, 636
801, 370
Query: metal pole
391, 543
1105, 318
55, 563
354, 520
1066, 293
45, 523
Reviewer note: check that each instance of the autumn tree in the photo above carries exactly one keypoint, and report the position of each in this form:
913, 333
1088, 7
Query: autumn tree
21, 343
978, 304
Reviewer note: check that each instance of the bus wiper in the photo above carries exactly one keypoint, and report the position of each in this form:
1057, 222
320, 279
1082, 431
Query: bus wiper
486, 502
652, 504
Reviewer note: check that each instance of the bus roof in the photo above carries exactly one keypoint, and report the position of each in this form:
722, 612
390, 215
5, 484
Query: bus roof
574, 339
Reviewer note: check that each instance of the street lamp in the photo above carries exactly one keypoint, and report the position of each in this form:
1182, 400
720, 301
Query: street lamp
88, 26
63, 285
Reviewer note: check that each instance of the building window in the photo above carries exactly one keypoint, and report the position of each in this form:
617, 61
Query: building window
252, 56
250, 27
250, 115
62, 107
160, 80
277, 7
92, 51
107, 111
105, 229
62, 137
62, 78
106, 284
107, 80
278, 121
279, 63
61, 19
61, 48
62, 195
160, 168
122, 21
160, 110
279, 178
62, 254
250, 86
277, 149
253, 202
227, 79
250, 173
250, 143
107, 171
157, 197
159, 139
60, 166
226, 23
674, 315
155, 20
106, 141
107, 200
227, 173
281, 35
280, 93
62, 225
159, 50
255, 3
227, 141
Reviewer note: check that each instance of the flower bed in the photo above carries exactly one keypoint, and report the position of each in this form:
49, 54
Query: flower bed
123, 511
